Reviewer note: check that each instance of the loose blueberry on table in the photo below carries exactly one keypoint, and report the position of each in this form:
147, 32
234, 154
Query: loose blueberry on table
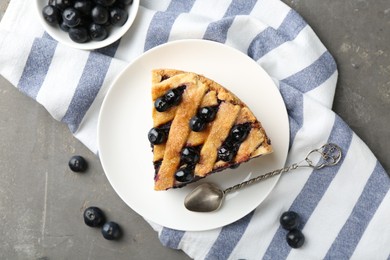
77, 163
94, 217
86, 20
111, 231
295, 238
289, 220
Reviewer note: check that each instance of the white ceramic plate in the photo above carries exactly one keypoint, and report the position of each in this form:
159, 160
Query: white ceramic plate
63, 37
125, 120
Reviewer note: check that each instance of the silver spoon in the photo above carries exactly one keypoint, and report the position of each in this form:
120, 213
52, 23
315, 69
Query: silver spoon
208, 197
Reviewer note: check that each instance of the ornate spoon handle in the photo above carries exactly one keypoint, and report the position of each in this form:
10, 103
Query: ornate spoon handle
329, 155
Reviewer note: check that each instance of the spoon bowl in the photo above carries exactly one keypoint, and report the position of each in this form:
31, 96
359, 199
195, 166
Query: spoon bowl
207, 197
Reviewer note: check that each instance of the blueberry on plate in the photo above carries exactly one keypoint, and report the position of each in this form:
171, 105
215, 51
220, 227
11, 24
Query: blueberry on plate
77, 163
111, 231
94, 217
295, 238
289, 220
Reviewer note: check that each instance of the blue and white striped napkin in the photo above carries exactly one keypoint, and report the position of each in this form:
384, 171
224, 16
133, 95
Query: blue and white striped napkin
345, 209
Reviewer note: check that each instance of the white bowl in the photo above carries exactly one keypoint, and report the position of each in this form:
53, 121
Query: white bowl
115, 33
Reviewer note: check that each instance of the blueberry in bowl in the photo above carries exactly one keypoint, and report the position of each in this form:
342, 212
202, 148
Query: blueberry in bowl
86, 24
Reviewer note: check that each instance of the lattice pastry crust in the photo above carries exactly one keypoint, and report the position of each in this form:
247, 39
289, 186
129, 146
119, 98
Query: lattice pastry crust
199, 127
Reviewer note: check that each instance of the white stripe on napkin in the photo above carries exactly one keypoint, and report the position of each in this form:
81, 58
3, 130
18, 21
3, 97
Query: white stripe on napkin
53, 94
270, 12
211, 9
132, 43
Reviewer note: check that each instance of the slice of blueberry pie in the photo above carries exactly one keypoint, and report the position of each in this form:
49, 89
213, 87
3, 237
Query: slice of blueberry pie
199, 127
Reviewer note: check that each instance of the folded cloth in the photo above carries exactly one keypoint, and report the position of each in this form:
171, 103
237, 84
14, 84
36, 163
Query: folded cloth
344, 209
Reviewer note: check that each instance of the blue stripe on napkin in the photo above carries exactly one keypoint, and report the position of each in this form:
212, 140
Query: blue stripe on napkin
217, 31
228, 238
293, 100
162, 22
314, 75
373, 194
170, 237
91, 80
270, 38
109, 50
312, 192
37, 66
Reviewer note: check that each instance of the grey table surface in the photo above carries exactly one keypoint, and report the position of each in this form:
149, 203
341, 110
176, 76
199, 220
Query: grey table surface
41, 201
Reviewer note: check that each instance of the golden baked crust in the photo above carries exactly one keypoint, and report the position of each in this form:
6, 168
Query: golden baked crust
197, 92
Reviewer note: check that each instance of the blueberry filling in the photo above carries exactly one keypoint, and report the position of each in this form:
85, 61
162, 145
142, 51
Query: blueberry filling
164, 77
226, 153
208, 114
157, 136
238, 133
229, 148
197, 124
190, 155
185, 173
171, 98
157, 165
203, 116
161, 104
